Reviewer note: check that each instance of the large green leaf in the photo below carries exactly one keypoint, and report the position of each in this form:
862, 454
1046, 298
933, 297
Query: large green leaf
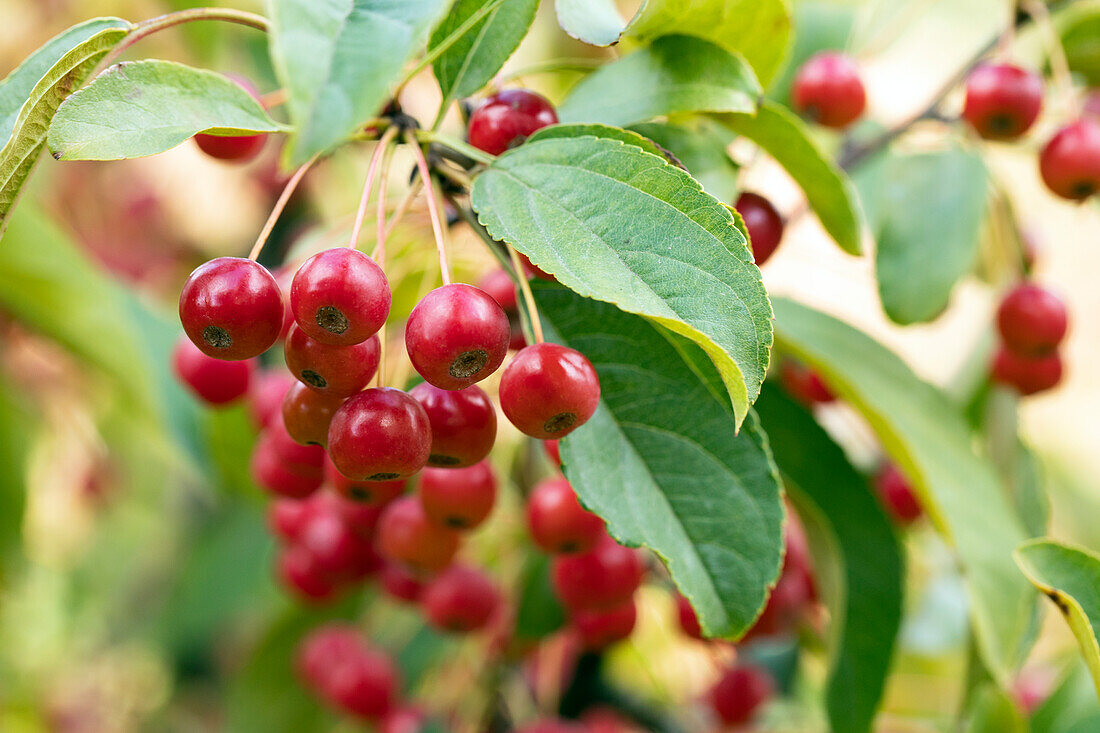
472, 60
927, 437
661, 460
828, 191
700, 144
674, 74
146, 107
595, 130
337, 59
925, 211
1079, 28
596, 22
867, 612
86, 45
627, 227
994, 712
1070, 577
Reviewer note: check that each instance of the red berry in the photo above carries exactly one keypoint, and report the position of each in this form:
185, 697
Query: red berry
498, 284
897, 495
459, 498
274, 475
548, 391
785, 605
399, 583
340, 297
558, 522
324, 649
213, 381
231, 308
1002, 100
740, 692
265, 395
1070, 162
464, 424
407, 535
361, 518
460, 599
307, 413
828, 90
689, 621
380, 435
338, 371
804, 384
533, 270
456, 336
1032, 320
364, 685
764, 223
238, 148
507, 118
600, 628
285, 517
284, 276
334, 547
305, 459
303, 576
605, 576
553, 452
1027, 374
364, 493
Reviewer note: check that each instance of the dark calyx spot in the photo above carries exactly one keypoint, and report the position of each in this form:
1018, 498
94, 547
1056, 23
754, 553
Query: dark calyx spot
560, 422
1001, 124
469, 363
567, 548
438, 459
383, 476
1083, 189
455, 522
313, 379
217, 337
332, 319
359, 493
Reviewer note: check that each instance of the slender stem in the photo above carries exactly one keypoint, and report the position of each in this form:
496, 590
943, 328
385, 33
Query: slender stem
528, 296
284, 197
274, 99
449, 41
402, 207
433, 206
380, 250
372, 173
1059, 64
154, 25
550, 67
430, 136
454, 176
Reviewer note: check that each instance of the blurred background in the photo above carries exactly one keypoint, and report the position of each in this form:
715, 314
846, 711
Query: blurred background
136, 589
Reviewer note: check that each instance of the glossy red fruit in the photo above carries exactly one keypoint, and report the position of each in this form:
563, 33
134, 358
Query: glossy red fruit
285, 517
456, 336
558, 522
897, 495
804, 384
323, 650
213, 381
1002, 100
827, 90
305, 459
764, 223
464, 424
407, 535
599, 628
338, 371
273, 474
548, 390
1032, 320
1070, 162
401, 584
534, 270
498, 284
231, 308
237, 148
740, 692
303, 576
605, 576
553, 452
364, 493
507, 118
265, 395
340, 297
689, 621
785, 606
365, 685
307, 413
334, 547
1028, 375
380, 435
361, 518
459, 498
460, 599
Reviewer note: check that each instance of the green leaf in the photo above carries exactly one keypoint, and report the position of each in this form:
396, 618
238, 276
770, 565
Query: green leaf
866, 615
337, 60
758, 30
1070, 577
143, 108
994, 712
828, 191
90, 43
17, 429
538, 613
661, 460
674, 74
596, 22
700, 144
606, 131
925, 434
818, 26
1078, 28
626, 227
1072, 706
926, 212
470, 63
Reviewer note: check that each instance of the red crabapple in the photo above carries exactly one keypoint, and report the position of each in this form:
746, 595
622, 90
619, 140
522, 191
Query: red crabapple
827, 89
380, 435
214, 381
1032, 320
507, 118
1027, 374
460, 599
548, 390
740, 692
459, 498
764, 223
464, 424
1070, 162
1002, 100
558, 522
340, 297
338, 371
605, 576
456, 336
407, 535
602, 627
231, 308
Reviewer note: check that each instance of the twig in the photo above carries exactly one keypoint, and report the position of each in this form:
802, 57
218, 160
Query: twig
1059, 64
430, 136
372, 173
402, 207
284, 197
433, 206
380, 247
147, 28
528, 296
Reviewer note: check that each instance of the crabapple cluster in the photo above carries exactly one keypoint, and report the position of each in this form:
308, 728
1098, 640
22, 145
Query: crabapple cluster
1032, 323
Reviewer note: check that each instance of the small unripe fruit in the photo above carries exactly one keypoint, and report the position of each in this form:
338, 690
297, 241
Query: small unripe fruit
380, 435
1032, 320
231, 308
407, 535
1002, 100
548, 390
456, 336
460, 599
558, 522
507, 118
340, 297
828, 90
764, 223
214, 381
459, 498
1070, 162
